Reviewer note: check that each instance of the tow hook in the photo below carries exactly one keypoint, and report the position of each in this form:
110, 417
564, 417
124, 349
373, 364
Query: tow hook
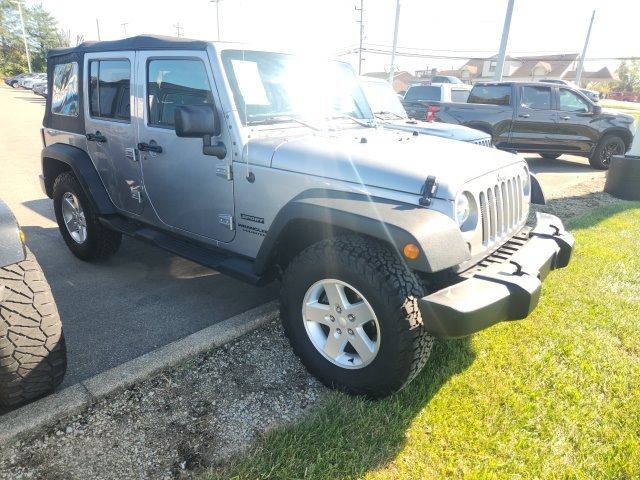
518, 271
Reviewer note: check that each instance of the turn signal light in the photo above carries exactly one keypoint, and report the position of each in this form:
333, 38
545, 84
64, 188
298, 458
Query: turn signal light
411, 251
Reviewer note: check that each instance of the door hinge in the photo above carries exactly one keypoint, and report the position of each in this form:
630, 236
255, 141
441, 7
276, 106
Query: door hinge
226, 220
224, 171
136, 193
130, 153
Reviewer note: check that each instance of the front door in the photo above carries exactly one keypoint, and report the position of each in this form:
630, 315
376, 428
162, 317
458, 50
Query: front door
535, 122
189, 191
575, 115
110, 126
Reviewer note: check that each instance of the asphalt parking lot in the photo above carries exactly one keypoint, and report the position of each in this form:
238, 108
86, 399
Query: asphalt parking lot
113, 311
141, 298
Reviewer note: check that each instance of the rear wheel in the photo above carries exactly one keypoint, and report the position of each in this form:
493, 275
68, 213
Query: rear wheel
550, 156
608, 146
78, 222
349, 307
33, 357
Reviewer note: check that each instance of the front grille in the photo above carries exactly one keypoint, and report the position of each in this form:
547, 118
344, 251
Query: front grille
502, 254
484, 142
501, 209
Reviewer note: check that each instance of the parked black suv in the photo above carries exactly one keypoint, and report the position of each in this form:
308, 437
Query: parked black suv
546, 119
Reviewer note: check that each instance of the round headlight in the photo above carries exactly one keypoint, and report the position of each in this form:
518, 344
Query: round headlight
463, 208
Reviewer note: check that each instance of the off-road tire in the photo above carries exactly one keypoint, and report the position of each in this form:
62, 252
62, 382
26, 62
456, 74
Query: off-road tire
596, 159
33, 357
101, 242
550, 156
14, 85
389, 287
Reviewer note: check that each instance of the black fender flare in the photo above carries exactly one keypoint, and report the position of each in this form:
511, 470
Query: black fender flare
537, 194
394, 222
11, 247
81, 165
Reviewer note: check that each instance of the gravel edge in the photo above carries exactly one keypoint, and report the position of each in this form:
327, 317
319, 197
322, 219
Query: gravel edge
46, 411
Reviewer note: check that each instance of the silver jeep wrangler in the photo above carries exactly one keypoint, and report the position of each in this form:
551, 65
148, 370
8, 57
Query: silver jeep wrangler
269, 166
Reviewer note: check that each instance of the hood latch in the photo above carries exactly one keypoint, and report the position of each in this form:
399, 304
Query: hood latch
428, 190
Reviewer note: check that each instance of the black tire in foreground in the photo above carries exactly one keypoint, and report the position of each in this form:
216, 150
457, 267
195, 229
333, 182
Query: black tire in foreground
98, 242
371, 275
550, 156
608, 146
33, 357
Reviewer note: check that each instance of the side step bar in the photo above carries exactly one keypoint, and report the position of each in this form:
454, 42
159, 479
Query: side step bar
234, 266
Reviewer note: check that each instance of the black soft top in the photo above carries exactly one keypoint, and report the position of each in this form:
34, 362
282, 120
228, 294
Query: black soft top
141, 42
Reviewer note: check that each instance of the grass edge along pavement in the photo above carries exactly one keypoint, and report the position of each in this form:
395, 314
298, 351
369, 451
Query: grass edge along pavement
555, 395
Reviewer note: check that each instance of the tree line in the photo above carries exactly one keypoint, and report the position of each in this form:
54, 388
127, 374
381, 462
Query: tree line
42, 31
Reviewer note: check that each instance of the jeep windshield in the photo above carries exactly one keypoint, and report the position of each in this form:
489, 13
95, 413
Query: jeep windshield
270, 88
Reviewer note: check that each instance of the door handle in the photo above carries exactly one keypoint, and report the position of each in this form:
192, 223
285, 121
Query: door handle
96, 137
565, 118
524, 115
145, 147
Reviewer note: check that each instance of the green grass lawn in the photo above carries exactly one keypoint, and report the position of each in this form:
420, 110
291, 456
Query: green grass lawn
553, 396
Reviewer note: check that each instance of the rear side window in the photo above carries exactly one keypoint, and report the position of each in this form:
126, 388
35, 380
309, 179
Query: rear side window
109, 89
423, 93
459, 95
64, 92
175, 82
491, 94
537, 98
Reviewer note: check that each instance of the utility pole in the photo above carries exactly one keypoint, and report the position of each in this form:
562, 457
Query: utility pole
395, 43
497, 76
217, 2
24, 35
361, 10
124, 27
98, 28
178, 28
584, 51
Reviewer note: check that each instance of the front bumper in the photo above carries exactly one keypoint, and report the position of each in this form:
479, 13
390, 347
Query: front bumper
509, 290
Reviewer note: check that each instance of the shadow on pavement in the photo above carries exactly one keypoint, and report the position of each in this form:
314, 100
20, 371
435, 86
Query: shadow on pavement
560, 165
136, 301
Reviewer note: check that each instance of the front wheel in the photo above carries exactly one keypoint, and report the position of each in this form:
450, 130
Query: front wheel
33, 357
609, 146
349, 307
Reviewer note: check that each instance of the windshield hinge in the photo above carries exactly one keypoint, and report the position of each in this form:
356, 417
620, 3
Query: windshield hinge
428, 191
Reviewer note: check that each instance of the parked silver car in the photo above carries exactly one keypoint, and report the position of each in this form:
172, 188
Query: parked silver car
391, 114
381, 239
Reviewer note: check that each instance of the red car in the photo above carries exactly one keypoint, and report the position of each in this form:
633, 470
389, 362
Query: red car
624, 96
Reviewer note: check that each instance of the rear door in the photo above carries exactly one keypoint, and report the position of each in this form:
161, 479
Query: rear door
190, 191
575, 114
111, 132
536, 121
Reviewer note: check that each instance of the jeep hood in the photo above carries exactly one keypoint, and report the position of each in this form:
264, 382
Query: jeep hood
381, 158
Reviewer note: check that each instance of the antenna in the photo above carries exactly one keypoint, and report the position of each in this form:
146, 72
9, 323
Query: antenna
178, 28
361, 10
124, 27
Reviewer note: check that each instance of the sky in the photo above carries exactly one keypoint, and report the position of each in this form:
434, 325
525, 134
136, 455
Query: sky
329, 27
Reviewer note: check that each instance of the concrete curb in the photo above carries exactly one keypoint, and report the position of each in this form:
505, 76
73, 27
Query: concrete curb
46, 411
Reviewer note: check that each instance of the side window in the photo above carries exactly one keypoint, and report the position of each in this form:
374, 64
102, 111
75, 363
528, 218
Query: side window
459, 95
173, 82
491, 95
571, 102
109, 89
64, 95
537, 98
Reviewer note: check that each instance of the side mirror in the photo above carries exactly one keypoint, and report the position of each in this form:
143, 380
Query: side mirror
597, 109
200, 121
196, 121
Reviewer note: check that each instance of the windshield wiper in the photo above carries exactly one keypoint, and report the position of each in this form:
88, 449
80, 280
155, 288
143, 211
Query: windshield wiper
359, 121
384, 114
280, 119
